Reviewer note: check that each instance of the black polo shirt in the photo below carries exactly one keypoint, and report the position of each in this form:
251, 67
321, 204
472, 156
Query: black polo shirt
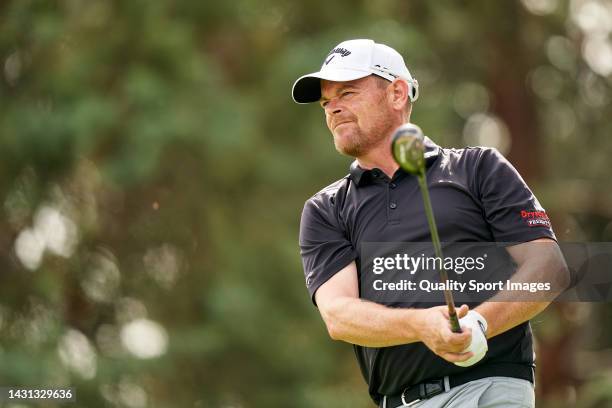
477, 196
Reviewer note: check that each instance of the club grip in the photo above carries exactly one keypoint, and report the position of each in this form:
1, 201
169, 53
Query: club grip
454, 321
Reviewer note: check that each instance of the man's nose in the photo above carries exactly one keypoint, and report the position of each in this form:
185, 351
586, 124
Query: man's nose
333, 107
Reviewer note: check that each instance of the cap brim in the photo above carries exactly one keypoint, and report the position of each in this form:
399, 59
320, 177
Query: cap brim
307, 89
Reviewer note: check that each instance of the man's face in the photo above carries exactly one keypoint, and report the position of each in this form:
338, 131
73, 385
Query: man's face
358, 113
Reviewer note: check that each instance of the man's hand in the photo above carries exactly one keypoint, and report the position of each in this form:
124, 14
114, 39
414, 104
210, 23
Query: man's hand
479, 345
434, 330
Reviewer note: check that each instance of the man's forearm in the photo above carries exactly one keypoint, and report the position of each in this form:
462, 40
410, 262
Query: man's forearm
502, 316
539, 262
511, 308
369, 324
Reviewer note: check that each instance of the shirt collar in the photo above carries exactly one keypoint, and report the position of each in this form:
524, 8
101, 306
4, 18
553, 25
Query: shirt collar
362, 176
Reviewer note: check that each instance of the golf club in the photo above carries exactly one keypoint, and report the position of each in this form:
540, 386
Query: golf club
408, 150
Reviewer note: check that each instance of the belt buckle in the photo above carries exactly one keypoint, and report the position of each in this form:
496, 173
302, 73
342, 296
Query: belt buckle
411, 403
426, 390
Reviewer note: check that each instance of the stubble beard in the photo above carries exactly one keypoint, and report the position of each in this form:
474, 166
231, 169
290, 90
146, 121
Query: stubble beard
359, 143
356, 145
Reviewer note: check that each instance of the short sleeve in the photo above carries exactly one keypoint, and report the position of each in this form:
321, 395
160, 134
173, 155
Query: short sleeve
511, 210
324, 245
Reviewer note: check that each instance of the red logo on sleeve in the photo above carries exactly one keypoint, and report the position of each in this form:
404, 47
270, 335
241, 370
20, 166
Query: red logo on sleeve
535, 218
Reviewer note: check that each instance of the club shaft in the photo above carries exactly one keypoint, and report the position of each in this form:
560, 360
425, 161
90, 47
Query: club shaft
435, 239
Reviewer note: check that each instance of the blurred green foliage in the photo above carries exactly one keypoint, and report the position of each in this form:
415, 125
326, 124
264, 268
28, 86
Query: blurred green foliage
153, 169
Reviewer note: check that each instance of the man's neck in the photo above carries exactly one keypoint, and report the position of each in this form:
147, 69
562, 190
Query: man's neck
380, 158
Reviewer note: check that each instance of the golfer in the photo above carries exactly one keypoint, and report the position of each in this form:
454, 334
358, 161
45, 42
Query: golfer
408, 355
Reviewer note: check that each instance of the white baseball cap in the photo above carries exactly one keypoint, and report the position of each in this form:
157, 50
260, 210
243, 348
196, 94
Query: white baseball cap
352, 60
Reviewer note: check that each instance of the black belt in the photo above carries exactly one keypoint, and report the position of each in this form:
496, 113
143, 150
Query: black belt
430, 388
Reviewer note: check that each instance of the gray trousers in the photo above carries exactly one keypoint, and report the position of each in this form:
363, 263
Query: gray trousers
490, 392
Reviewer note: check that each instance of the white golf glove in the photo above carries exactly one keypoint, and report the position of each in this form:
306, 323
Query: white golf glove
478, 346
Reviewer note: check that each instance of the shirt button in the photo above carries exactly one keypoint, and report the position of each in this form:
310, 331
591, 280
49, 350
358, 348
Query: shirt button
393, 206
392, 185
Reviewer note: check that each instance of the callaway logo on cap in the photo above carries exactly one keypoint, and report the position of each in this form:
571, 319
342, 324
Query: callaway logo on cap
352, 60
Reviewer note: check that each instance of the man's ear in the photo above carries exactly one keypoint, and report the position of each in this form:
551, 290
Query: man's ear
399, 89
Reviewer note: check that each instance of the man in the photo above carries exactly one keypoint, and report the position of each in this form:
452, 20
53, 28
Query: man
407, 354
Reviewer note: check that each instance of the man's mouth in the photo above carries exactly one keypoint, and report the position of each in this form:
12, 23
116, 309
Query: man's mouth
341, 123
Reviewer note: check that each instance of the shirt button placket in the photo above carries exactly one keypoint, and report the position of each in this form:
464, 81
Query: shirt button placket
393, 200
